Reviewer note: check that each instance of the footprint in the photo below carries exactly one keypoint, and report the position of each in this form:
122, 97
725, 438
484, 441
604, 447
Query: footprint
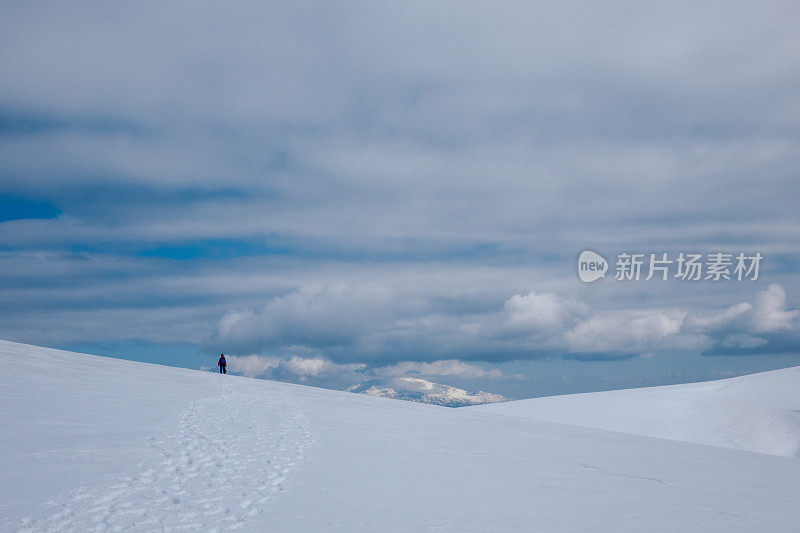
231, 452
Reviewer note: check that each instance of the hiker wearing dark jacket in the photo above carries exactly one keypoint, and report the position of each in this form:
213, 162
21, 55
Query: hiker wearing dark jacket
222, 364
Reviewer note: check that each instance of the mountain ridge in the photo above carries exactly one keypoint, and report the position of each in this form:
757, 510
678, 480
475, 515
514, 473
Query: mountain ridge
424, 391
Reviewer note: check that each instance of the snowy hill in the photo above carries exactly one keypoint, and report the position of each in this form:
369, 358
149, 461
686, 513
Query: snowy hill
424, 391
758, 412
97, 444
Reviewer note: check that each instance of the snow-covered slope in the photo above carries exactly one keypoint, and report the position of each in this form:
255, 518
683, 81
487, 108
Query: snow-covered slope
758, 412
96, 444
424, 391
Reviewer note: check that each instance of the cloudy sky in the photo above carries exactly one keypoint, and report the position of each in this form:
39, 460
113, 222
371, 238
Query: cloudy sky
333, 192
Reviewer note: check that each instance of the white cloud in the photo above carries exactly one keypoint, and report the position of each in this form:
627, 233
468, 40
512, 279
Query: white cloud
319, 370
317, 366
450, 367
252, 365
716, 320
770, 313
625, 332
297, 367
547, 312
530, 324
314, 317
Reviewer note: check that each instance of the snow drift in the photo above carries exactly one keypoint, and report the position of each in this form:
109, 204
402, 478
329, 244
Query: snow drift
758, 412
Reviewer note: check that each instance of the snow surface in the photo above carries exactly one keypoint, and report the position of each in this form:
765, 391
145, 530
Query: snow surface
98, 444
758, 412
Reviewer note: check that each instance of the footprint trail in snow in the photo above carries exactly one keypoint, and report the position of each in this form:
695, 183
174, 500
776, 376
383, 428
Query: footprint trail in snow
231, 455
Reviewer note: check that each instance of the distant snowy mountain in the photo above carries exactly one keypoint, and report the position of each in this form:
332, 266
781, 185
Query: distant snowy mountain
424, 391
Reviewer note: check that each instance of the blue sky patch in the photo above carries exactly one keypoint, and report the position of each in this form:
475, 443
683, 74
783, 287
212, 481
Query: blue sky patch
20, 208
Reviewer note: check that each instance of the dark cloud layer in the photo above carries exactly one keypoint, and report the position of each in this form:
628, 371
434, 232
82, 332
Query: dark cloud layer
411, 182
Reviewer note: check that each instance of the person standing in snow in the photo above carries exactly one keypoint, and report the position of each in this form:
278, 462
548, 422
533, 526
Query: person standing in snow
222, 364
